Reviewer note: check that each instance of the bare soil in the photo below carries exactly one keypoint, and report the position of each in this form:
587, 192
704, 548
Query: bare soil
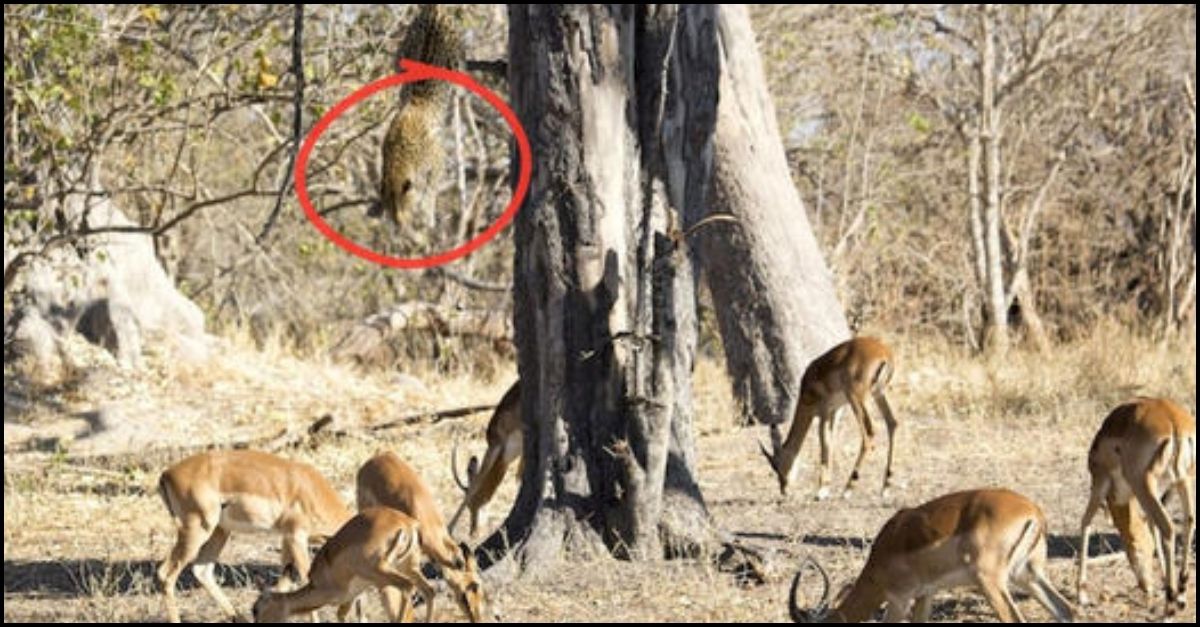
83, 533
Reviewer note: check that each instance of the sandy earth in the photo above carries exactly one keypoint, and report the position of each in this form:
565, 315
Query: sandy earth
82, 539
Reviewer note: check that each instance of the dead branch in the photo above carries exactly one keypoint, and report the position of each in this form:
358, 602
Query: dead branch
433, 417
367, 339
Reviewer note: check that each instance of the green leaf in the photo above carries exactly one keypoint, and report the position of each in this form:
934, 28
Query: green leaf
919, 123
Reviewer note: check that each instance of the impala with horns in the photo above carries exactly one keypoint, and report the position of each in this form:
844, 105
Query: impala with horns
213, 494
1144, 449
385, 480
985, 538
505, 444
848, 374
378, 548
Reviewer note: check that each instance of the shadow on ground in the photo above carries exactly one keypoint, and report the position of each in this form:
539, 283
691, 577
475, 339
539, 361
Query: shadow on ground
1057, 546
68, 579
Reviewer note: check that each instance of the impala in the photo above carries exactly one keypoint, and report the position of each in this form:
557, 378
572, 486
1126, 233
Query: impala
385, 480
377, 548
846, 375
986, 538
213, 494
1143, 449
505, 445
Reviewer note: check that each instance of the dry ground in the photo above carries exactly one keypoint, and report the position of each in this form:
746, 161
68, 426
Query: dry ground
82, 535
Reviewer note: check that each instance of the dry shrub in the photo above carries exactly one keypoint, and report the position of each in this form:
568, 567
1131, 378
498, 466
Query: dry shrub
1078, 379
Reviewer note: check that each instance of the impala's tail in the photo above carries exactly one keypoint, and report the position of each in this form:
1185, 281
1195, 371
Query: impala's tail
400, 548
883, 375
167, 493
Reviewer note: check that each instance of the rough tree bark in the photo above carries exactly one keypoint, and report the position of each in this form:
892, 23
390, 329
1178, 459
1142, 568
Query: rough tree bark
621, 107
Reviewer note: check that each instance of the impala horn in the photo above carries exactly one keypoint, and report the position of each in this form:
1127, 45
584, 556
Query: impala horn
766, 453
454, 467
814, 615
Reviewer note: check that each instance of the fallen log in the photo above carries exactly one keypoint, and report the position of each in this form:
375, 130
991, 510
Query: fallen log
367, 342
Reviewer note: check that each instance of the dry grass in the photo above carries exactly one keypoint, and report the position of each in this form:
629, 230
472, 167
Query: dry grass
81, 542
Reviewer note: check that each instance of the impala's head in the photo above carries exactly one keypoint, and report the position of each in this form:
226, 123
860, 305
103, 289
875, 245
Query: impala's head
855, 603
270, 608
780, 462
463, 578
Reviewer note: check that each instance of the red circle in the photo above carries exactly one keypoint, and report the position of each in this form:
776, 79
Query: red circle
412, 71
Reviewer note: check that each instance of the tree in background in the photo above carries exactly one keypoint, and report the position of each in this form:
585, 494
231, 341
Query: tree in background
881, 107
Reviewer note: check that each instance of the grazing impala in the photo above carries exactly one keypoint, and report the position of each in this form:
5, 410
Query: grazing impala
385, 480
505, 445
377, 548
846, 375
986, 538
213, 494
1143, 449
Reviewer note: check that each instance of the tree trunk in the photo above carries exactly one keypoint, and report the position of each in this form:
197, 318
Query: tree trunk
605, 311
621, 107
1031, 321
774, 296
996, 328
975, 221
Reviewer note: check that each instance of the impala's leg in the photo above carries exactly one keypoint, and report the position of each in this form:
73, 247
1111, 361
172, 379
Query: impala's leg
1187, 495
397, 602
1145, 488
1100, 487
192, 536
897, 609
1144, 485
475, 499
344, 610
205, 565
1138, 537
867, 431
295, 556
890, 419
922, 609
1156, 558
824, 428
995, 589
1033, 580
406, 581
1051, 599
490, 482
296, 562
306, 600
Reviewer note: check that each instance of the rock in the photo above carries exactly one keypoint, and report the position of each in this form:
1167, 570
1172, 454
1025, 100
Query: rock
31, 336
112, 290
112, 325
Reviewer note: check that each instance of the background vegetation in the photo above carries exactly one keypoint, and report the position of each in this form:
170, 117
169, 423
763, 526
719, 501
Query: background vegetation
182, 114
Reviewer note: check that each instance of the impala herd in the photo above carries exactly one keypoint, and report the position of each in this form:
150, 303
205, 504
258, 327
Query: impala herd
1144, 452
